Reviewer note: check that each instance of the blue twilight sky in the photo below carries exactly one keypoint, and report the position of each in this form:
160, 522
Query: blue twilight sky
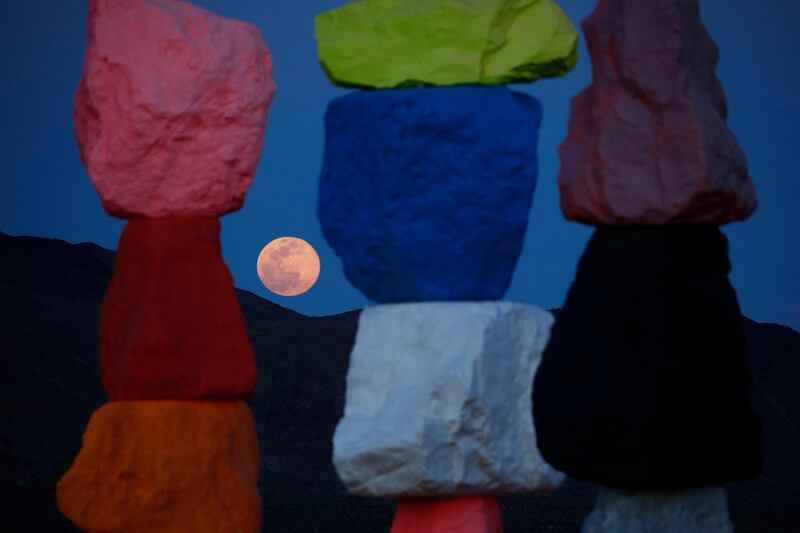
46, 192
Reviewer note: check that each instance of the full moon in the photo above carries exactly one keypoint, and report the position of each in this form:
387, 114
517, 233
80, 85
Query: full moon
288, 266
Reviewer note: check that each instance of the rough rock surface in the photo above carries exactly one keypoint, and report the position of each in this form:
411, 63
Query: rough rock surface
448, 515
165, 466
648, 141
688, 511
438, 401
425, 193
171, 327
402, 43
171, 108
644, 383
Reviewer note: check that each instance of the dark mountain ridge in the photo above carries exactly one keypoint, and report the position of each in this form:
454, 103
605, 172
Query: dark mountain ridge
50, 296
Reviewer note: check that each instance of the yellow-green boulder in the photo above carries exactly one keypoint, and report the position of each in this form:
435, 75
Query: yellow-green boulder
404, 43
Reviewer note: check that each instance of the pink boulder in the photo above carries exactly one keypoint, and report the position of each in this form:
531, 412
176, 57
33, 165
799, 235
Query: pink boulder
648, 141
171, 108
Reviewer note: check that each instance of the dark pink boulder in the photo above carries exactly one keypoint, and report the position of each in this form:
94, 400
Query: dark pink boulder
171, 108
648, 141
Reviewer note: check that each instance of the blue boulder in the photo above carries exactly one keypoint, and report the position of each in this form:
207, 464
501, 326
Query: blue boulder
425, 193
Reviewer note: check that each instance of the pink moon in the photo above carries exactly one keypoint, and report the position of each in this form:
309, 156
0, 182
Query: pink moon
288, 266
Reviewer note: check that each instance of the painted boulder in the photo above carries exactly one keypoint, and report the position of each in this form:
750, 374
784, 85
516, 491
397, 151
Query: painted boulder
165, 466
171, 326
644, 383
448, 515
403, 43
425, 193
439, 401
171, 108
648, 141
703, 510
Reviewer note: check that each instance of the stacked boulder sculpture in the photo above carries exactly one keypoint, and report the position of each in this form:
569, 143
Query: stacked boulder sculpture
170, 119
424, 193
644, 386
453, 396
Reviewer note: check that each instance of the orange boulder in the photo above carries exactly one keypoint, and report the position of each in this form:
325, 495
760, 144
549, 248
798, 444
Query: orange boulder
161, 466
476, 514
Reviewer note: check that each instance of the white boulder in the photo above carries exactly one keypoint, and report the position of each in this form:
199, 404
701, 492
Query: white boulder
701, 510
439, 401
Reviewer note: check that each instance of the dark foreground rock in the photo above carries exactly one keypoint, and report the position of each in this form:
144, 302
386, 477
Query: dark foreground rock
50, 385
644, 383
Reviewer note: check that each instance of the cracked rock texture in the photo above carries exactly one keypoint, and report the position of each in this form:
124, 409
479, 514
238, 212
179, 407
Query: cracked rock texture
439, 401
171, 327
165, 466
404, 43
448, 515
688, 511
171, 108
425, 193
645, 382
648, 141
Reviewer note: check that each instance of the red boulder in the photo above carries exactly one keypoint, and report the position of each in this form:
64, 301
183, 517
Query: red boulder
648, 141
171, 327
475, 514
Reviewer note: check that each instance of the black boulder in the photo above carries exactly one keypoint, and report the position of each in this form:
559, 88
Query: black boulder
644, 383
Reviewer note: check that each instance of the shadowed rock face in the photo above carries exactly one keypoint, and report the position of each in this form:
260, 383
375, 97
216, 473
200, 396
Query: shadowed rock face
50, 296
686, 511
648, 141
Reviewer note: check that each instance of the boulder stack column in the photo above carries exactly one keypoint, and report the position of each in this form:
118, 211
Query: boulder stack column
170, 118
644, 386
424, 193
